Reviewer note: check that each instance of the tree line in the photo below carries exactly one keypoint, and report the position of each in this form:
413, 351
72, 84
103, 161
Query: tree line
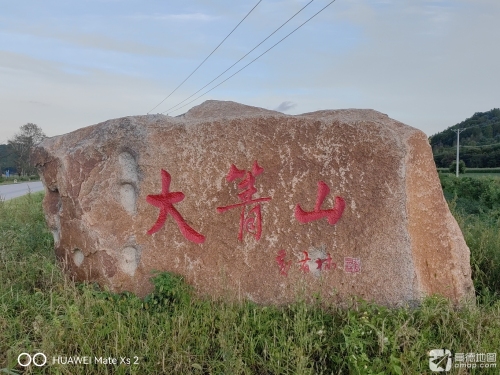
15, 155
479, 143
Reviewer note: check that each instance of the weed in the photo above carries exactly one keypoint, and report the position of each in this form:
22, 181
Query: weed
172, 331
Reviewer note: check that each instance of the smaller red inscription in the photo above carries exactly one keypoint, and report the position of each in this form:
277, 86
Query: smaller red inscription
283, 265
352, 265
333, 215
304, 266
325, 263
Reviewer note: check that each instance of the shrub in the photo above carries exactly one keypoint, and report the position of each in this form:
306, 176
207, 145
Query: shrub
169, 290
461, 167
481, 195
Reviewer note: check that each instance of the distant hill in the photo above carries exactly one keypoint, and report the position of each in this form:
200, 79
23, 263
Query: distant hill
479, 143
6, 159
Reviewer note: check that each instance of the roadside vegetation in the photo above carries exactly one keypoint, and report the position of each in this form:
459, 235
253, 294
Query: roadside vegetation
16, 179
173, 332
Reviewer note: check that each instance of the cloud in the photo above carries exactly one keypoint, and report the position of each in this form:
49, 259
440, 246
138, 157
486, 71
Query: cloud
285, 106
41, 92
90, 41
176, 17
416, 63
35, 102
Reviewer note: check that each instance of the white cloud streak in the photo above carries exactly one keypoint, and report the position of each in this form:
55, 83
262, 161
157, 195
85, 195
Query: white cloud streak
175, 17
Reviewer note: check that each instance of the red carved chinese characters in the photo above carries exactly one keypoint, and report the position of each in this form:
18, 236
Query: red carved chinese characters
165, 202
352, 265
304, 266
252, 222
325, 263
283, 265
333, 215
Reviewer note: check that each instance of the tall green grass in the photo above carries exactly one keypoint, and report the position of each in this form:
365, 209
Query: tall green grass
173, 332
475, 203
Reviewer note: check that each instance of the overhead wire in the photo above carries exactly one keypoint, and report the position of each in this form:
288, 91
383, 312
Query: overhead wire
206, 58
270, 35
326, 6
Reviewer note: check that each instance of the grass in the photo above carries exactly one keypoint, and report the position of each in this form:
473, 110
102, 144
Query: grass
489, 175
489, 171
173, 332
16, 179
474, 175
493, 173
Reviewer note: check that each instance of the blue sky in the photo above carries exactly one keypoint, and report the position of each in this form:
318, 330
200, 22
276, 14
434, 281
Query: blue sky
68, 64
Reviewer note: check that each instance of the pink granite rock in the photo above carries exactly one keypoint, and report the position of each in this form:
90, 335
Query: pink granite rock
248, 203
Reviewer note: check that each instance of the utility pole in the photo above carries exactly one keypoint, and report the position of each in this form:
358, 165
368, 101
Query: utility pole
458, 131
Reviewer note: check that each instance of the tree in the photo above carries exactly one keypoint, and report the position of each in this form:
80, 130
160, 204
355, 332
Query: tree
22, 145
461, 167
7, 159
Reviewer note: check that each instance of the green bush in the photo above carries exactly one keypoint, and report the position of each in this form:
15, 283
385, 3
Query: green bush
482, 193
461, 167
169, 290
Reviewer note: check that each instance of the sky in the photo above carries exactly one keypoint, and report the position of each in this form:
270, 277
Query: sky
69, 64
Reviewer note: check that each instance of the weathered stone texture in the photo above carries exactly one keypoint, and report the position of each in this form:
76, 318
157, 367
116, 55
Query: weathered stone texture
395, 240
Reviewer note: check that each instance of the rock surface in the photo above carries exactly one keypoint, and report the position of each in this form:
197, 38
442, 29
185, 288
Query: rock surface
248, 203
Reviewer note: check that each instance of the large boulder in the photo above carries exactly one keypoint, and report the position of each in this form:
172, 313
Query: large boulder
248, 203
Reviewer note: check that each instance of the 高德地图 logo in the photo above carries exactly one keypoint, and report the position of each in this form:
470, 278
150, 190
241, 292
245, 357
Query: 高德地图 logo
440, 360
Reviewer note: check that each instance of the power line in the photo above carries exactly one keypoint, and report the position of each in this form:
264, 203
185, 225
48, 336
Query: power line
206, 58
270, 35
206, 92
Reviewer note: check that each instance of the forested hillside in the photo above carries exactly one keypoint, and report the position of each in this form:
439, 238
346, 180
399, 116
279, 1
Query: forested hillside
479, 143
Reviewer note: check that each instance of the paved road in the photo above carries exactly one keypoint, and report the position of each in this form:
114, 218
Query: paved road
16, 190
